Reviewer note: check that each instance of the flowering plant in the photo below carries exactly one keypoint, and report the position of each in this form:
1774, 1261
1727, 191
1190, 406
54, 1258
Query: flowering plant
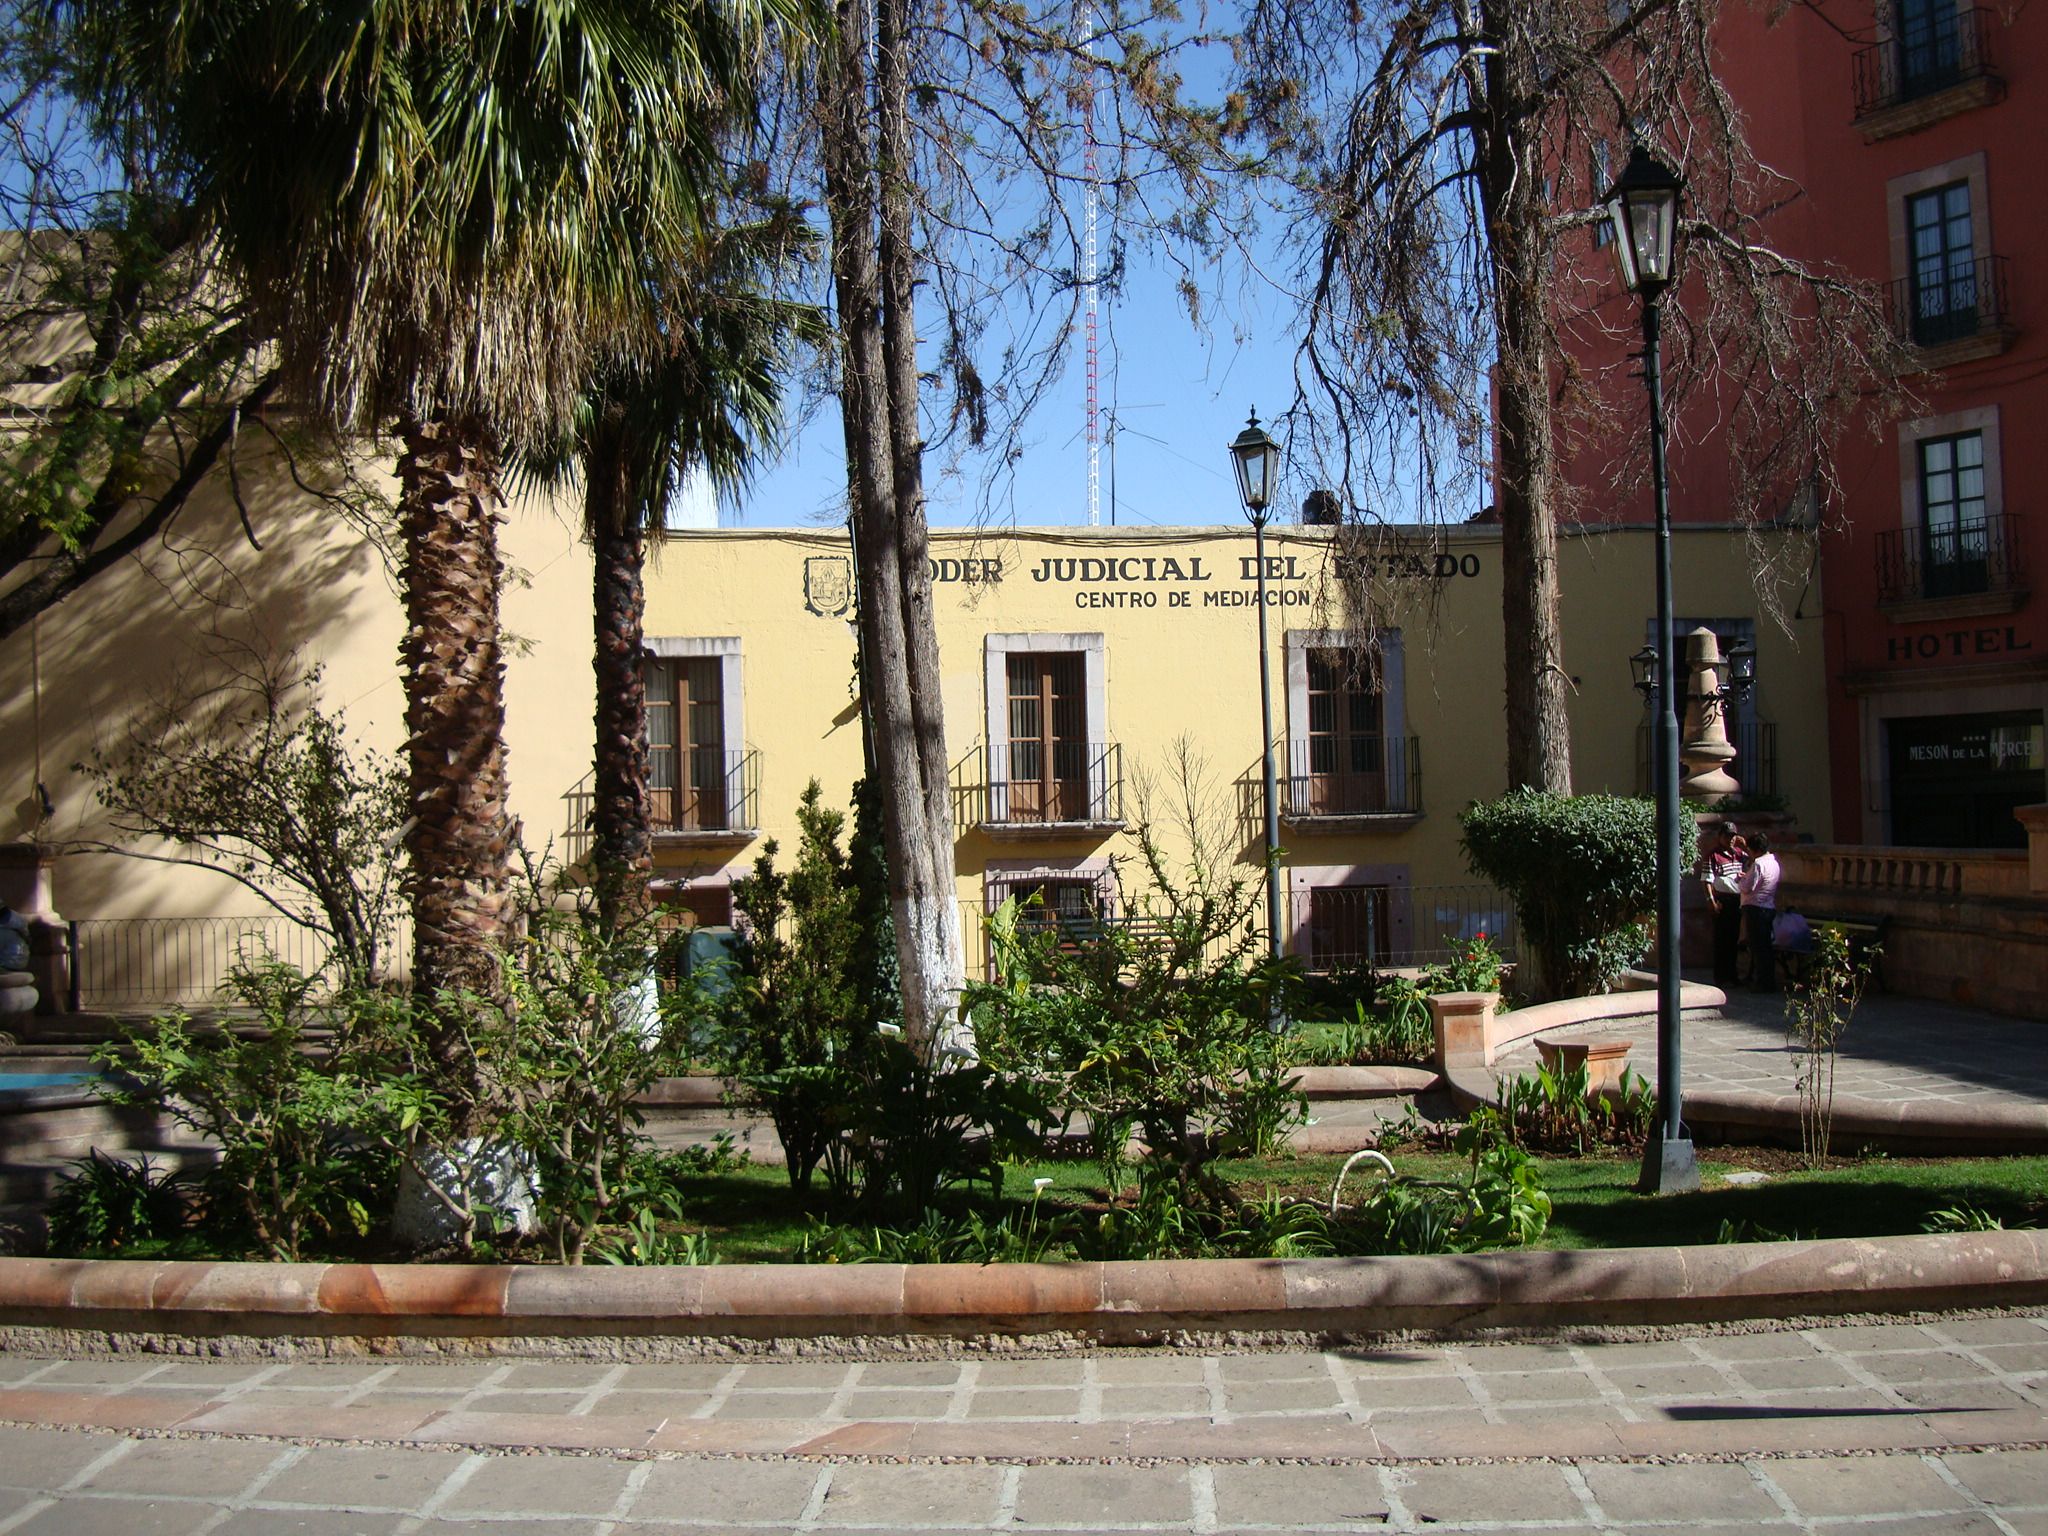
1475, 966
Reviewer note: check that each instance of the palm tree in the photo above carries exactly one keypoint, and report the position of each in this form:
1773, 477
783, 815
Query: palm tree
703, 403
442, 211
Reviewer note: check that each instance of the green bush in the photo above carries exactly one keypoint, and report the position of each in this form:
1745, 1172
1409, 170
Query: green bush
107, 1204
796, 1027
887, 1126
308, 1129
584, 1035
1160, 1027
1582, 873
1553, 1112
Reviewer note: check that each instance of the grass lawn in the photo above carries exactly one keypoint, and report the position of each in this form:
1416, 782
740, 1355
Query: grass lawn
753, 1217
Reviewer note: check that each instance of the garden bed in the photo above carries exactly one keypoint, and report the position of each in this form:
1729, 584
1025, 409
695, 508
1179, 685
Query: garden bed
743, 1213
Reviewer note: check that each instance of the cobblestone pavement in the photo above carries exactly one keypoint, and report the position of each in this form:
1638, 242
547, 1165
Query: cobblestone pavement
1895, 1049
1929, 1427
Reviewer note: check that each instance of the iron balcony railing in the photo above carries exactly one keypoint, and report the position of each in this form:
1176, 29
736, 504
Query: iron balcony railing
1968, 299
721, 795
1953, 561
1036, 784
719, 790
1331, 776
1941, 48
1755, 766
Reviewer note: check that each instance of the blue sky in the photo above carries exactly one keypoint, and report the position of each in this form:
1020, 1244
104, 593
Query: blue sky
1171, 400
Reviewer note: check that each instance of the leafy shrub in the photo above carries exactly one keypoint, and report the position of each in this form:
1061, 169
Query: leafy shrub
584, 1033
1160, 1026
1818, 1010
886, 1125
795, 1027
1582, 873
1500, 1202
1552, 1111
308, 1131
940, 1237
107, 1204
1395, 1030
1475, 966
1964, 1217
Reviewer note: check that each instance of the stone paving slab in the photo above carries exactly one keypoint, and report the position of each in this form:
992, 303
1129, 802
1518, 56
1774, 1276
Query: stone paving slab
1912, 1385
1896, 1050
321, 1490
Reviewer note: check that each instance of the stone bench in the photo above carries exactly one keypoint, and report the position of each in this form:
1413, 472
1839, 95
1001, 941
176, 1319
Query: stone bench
1604, 1060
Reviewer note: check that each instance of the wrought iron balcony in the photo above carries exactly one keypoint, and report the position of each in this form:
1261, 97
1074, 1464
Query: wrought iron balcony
1755, 766
1330, 778
1027, 785
1961, 560
1969, 300
1948, 49
719, 791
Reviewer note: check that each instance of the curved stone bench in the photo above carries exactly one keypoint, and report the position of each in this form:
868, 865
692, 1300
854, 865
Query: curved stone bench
1151, 1302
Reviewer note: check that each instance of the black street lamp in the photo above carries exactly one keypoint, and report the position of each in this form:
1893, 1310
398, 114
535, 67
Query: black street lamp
1257, 458
1643, 209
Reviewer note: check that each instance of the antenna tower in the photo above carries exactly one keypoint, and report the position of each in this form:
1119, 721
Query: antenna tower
1091, 203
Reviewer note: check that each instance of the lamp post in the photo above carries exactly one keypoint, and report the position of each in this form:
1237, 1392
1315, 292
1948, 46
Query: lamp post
1257, 458
1642, 207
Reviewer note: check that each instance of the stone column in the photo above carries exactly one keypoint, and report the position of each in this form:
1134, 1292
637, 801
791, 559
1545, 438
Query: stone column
2035, 819
1704, 751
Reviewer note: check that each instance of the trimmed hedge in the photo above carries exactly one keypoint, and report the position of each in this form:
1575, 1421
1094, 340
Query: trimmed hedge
1582, 872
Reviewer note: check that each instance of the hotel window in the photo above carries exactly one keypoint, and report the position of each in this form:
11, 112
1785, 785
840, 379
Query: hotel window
1071, 899
1930, 44
1347, 743
1954, 532
699, 774
1944, 254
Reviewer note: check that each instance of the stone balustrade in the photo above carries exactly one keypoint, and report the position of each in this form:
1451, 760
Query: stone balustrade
1965, 926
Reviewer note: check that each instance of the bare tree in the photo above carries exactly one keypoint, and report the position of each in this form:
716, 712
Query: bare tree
130, 371
246, 775
1445, 151
949, 159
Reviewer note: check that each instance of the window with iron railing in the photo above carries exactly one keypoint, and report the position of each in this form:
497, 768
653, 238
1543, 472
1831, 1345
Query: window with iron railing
697, 782
1934, 46
1944, 275
1950, 559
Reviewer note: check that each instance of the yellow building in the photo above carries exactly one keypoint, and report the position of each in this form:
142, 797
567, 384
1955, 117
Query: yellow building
1090, 675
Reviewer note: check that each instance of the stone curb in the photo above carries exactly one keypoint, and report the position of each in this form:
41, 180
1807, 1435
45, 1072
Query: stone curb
1110, 1303
1905, 1125
2002, 1129
1291, 1439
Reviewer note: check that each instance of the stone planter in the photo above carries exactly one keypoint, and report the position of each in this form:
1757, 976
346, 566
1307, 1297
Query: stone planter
1464, 1024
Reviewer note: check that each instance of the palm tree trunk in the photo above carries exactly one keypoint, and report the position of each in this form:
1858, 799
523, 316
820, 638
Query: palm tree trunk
622, 830
459, 837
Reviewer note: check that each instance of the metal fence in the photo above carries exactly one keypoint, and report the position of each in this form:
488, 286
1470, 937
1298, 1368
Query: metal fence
156, 962
1391, 927
1333, 929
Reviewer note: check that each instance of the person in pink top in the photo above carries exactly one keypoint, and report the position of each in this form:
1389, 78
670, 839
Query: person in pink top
1758, 885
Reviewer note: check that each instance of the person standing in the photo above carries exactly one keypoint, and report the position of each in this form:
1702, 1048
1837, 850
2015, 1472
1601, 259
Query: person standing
1721, 869
1758, 885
